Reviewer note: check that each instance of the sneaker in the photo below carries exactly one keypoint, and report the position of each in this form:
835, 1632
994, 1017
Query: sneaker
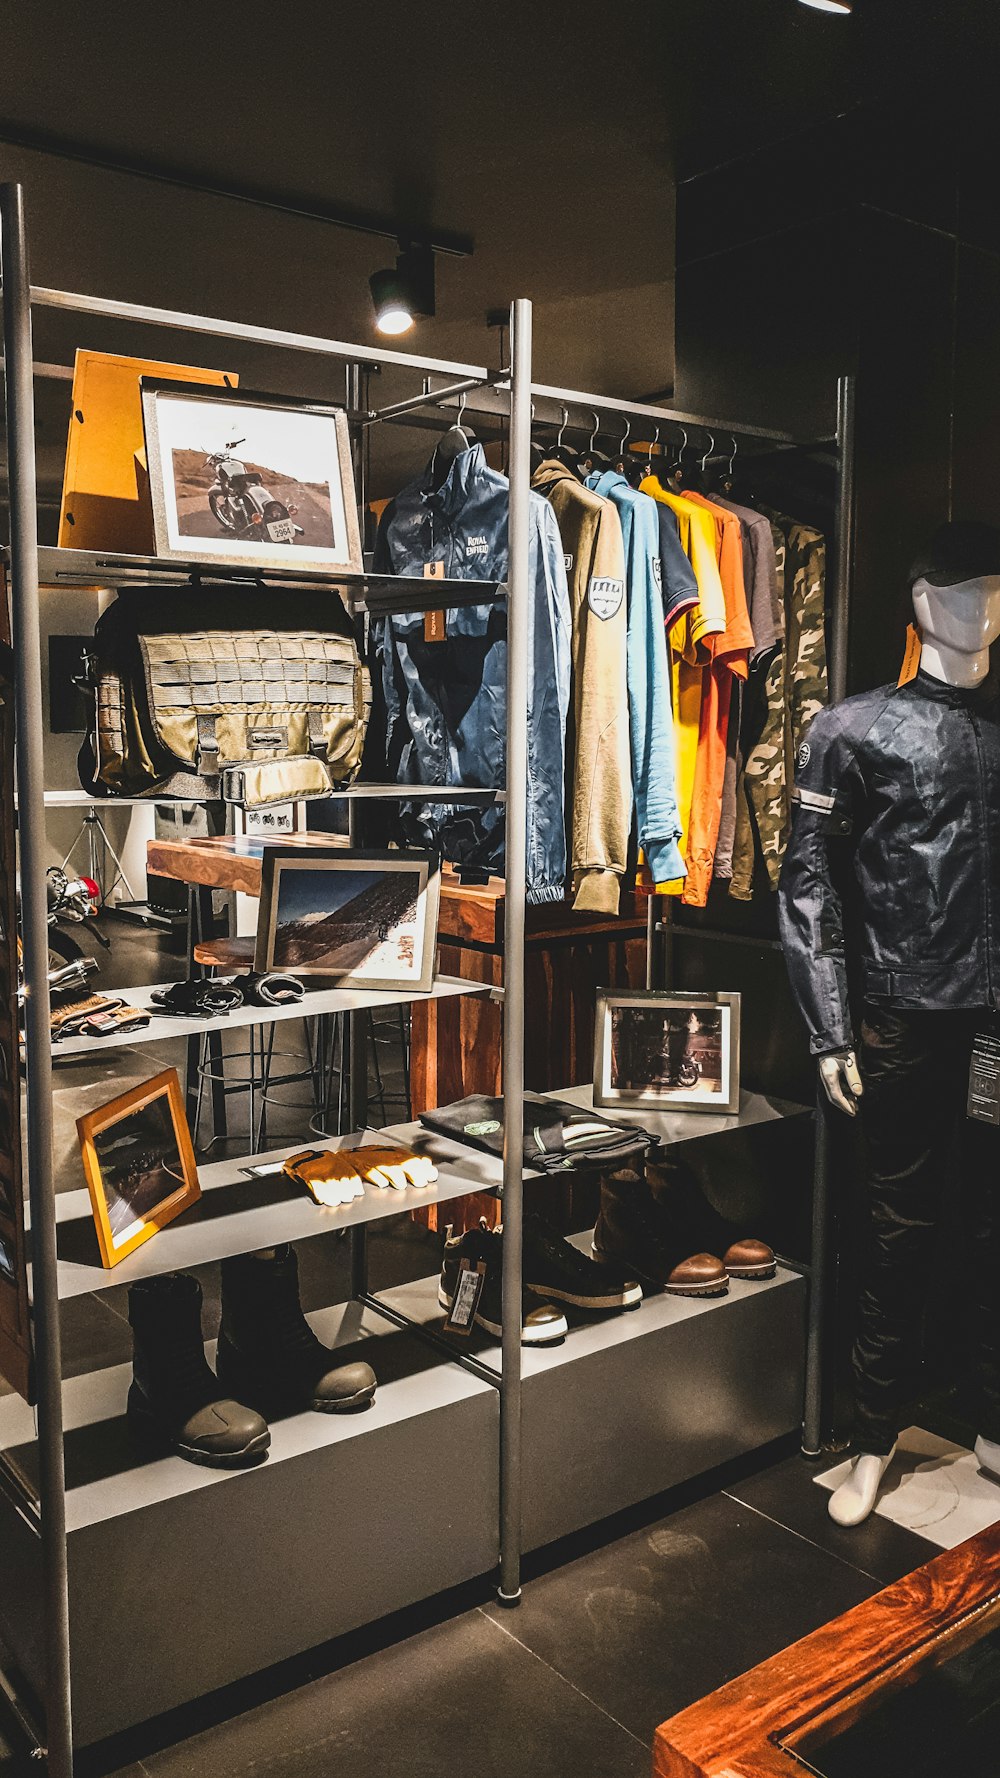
541, 1324
555, 1268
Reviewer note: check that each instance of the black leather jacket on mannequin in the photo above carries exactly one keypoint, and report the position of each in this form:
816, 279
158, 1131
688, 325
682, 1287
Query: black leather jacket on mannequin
897, 809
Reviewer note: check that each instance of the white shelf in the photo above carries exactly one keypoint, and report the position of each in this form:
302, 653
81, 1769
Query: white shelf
314, 1002
687, 1126
237, 1214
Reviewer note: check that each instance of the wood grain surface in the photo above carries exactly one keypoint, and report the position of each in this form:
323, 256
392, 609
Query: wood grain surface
821, 1684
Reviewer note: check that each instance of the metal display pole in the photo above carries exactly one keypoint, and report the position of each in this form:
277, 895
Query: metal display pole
812, 1417
518, 611
35, 939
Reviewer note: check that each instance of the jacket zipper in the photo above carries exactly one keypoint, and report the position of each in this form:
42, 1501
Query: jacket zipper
986, 859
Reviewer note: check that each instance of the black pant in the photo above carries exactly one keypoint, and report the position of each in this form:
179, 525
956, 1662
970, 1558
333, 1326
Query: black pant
915, 1067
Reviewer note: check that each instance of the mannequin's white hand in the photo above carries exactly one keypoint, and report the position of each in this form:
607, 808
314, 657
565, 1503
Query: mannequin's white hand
841, 1079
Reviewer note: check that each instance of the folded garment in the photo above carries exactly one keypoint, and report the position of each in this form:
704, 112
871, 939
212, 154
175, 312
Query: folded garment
270, 989
198, 999
558, 1137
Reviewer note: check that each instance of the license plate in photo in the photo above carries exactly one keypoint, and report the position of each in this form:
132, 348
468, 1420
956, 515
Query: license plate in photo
281, 531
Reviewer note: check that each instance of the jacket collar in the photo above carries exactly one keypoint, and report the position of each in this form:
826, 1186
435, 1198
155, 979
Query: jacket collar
604, 480
457, 485
969, 695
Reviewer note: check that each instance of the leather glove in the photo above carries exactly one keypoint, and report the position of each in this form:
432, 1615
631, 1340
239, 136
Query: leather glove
337, 1175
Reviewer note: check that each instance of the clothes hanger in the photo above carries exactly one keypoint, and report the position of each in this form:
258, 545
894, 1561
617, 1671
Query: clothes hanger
565, 454
675, 473
592, 457
620, 459
457, 439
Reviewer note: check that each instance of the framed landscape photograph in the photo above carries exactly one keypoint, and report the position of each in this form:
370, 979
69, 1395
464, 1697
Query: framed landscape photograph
677, 1052
253, 481
139, 1164
361, 919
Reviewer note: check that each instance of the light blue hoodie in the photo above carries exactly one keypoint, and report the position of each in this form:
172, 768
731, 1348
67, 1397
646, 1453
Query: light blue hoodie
651, 722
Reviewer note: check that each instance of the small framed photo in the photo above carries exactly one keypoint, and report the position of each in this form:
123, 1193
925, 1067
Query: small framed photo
361, 918
139, 1164
671, 1052
253, 481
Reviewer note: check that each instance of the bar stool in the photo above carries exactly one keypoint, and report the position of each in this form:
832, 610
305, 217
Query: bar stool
213, 1064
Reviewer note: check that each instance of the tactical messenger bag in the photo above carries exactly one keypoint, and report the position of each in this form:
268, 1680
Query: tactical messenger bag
254, 695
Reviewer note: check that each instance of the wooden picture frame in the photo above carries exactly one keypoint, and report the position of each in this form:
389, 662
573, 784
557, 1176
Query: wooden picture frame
667, 1052
355, 896
294, 507
140, 1177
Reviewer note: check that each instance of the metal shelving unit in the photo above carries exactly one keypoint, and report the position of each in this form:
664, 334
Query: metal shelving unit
459, 1399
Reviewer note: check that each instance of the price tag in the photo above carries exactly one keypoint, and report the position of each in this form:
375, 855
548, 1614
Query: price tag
462, 1314
984, 1078
435, 624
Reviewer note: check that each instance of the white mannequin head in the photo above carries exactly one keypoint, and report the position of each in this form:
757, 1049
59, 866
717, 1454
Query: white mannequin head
958, 624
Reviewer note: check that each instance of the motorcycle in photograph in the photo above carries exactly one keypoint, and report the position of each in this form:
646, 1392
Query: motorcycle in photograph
243, 506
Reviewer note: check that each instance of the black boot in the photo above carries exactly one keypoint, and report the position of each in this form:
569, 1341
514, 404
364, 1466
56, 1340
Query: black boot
267, 1351
175, 1402
635, 1234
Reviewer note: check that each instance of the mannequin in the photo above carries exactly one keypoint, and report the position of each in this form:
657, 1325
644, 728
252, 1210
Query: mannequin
899, 789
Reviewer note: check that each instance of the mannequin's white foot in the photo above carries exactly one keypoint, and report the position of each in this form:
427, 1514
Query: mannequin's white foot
988, 1457
853, 1500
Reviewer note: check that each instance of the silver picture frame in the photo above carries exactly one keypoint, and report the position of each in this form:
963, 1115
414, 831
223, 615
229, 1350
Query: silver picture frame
357, 918
293, 508
667, 1051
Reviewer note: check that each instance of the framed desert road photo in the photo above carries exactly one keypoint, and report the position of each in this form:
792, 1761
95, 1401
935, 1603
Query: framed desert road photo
671, 1052
254, 481
139, 1164
363, 919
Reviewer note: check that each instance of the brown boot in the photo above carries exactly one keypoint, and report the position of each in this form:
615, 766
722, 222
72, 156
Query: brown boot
634, 1234
749, 1259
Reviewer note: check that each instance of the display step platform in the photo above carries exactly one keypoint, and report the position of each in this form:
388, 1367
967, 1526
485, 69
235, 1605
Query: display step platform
241, 1209
354, 1517
315, 1003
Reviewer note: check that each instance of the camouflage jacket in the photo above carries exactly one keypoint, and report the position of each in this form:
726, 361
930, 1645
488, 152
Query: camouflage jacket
796, 688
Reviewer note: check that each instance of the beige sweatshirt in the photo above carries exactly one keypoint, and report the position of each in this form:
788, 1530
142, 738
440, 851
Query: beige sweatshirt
598, 762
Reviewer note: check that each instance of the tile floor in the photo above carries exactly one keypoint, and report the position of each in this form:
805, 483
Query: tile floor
619, 1626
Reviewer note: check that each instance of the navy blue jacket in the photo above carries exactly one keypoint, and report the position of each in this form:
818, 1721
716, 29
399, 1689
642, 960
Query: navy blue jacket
445, 702
896, 818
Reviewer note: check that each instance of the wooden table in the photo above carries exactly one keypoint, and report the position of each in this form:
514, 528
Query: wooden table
795, 1703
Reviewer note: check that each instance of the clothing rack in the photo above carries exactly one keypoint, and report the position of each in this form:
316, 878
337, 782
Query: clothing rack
508, 393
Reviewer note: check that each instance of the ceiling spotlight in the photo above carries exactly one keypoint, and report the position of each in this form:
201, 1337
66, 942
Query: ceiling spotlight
830, 5
400, 294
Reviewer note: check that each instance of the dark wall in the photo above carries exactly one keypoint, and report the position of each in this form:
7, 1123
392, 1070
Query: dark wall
869, 243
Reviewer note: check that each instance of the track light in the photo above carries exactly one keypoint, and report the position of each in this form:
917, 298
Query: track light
400, 294
830, 5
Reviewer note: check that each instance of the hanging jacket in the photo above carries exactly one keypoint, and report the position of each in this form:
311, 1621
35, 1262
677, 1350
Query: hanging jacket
446, 701
651, 729
599, 770
897, 798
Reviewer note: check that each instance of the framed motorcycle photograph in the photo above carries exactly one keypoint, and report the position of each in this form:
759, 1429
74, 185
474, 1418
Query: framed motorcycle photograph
139, 1164
671, 1052
250, 481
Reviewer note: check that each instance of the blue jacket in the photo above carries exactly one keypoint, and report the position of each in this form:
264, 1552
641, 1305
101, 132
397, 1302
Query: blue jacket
651, 724
446, 702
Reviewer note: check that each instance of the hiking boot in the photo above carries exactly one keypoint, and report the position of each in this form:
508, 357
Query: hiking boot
555, 1268
175, 1402
541, 1323
634, 1234
267, 1351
